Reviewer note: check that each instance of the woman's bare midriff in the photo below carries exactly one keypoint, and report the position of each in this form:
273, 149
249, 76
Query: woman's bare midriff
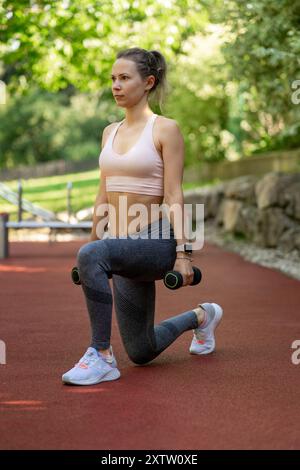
134, 198
115, 228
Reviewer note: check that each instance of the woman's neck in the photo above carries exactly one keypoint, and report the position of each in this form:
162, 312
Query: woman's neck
133, 118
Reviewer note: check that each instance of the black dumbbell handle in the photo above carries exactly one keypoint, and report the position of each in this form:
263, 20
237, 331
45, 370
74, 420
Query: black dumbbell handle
75, 275
174, 280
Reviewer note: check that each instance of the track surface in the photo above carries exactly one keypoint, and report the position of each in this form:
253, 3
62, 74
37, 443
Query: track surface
243, 396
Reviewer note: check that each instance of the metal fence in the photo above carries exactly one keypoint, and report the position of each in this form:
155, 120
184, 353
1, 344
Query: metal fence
5, 225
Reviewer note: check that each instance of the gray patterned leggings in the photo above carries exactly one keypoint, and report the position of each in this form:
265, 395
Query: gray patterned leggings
133, 265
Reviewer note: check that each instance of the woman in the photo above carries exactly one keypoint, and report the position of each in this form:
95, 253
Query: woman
141, 162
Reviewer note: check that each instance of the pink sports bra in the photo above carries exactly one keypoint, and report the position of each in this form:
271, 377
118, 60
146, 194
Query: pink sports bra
140, 170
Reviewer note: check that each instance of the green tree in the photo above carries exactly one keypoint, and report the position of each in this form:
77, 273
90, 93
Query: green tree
262, 51
57, 43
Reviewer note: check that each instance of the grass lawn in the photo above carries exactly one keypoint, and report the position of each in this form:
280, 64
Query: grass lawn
51, 192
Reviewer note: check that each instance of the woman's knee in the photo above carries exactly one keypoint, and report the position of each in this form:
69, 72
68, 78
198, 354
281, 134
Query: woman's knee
140, 360
139, 355
90, 253
83, 254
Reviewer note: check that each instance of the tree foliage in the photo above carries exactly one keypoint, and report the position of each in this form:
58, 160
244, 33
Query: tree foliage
231, 65
62, 42
41, 126
262, 53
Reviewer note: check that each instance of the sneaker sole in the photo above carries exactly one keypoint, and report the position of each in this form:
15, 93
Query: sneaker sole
218, 317
111, 375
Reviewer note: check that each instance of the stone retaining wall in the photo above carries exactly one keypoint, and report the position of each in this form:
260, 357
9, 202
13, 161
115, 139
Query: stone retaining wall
263, 210
285, 161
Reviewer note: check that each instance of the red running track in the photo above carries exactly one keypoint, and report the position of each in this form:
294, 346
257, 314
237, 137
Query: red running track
243, 396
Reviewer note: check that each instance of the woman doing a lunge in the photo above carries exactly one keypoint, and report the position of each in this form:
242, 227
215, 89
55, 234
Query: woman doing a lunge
141, 163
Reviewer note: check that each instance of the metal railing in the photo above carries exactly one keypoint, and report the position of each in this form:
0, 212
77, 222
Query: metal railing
18, 200
49, 219
5, 225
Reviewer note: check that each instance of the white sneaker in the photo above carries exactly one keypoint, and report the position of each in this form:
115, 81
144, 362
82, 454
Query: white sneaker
203, 341
91, 369
110, 359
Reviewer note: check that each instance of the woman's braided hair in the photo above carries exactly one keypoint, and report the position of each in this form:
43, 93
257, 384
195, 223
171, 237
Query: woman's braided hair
149, 63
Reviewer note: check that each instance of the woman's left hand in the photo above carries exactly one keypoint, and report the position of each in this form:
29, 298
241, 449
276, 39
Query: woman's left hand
184, 266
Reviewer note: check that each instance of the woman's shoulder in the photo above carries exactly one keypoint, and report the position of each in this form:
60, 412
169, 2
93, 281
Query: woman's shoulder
167, 127
166, 123
110, 127
107, 130
164, 120
166, 131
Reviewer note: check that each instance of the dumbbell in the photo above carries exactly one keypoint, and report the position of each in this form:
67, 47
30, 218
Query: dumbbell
75, 275
76, 278
174, 280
